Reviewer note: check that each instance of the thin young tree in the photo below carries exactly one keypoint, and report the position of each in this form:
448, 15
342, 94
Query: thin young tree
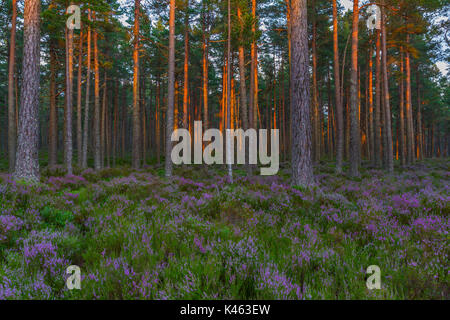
27, 161
302, 169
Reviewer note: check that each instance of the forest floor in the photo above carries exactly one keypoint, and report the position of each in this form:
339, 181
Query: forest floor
137, 235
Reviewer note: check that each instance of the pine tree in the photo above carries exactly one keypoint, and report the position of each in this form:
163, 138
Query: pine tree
302, 170
27, 162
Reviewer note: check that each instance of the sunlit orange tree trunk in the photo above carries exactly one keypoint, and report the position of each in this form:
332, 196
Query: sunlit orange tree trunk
354, 103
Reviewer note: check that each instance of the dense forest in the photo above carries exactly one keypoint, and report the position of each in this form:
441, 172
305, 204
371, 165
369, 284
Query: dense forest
116, 86
91, 92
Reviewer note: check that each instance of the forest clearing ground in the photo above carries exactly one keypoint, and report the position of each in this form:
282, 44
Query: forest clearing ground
136, 234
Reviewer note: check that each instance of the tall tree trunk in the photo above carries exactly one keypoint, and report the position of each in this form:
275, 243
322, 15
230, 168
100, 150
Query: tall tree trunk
402, 112
354, 123
171, 90
186, 66
205, 67
106, 126
371, 131
123, 120
157, 122
144, 121
228, 142
103, 121
12, 134
366, 115
27, 162
68, 147
330, 149
377, 126
316, 116
86, 108
253, 72
302, 169
419, 118
283, 112
338, 97
53, 125
136, 112
409, 117
79, 116
97, 146
243, 86
116, 123
387, 108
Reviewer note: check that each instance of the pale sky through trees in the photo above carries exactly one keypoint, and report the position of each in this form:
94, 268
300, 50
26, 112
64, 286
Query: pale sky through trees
443, 66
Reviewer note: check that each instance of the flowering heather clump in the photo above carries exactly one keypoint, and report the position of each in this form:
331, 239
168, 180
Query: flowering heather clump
137, 235
9, 224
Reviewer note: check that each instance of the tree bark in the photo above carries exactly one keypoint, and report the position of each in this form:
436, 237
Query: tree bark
302, 170
136, 112
115, 137
103, 113
228, 146
97, 146
68, 147
53, 125
402, 146
157, 123
205, 69
253, 73
337, 93
243, 86
387, 108
316, 115
186, 67
12, 134
377, 126
79, 115
419, 118
354, 104
86, 108
409, 117
27, 162
371, 136
171, 90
